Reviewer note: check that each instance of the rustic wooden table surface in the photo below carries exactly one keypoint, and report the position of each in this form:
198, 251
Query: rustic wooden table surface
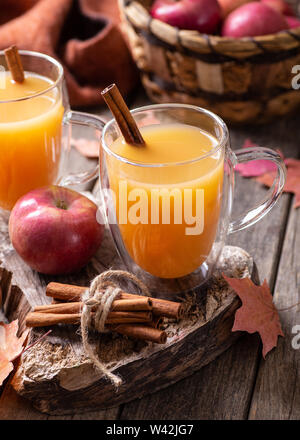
239, 384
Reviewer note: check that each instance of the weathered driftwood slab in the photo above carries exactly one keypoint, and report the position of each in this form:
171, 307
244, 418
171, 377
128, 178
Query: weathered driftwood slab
57, 377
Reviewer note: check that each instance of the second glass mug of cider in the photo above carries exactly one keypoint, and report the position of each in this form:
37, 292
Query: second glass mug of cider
35, 121
169, 203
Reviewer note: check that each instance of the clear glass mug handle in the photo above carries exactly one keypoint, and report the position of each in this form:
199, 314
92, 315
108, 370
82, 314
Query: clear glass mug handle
88, 120
262, 208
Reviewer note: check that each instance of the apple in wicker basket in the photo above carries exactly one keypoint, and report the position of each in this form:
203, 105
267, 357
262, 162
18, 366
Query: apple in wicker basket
55, 230
200, 15
228, 6
280, 6
293, 22
253, 19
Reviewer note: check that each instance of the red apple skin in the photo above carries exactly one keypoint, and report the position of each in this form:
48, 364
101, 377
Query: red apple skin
280, 6
52, 240
228, 6
199, 15
253, 19
293, 22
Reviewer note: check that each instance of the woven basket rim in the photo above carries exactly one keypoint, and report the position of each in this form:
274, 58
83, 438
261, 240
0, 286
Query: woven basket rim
140, 18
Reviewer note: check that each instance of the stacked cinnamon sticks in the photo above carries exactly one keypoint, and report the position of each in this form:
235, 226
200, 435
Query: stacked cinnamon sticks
136, 316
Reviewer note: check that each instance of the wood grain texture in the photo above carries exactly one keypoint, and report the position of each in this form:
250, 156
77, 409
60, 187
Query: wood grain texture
15, 407
204, 396
264, 239
277, 390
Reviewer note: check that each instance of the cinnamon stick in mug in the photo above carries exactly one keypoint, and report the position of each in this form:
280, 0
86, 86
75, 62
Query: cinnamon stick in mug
123, 117
14, 63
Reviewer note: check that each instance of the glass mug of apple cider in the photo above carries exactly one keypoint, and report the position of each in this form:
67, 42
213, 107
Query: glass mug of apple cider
35, 121
169, 202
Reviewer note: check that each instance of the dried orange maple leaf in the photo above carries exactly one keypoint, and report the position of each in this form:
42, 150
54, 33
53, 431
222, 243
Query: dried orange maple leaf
10, 347
292, 179
257, 313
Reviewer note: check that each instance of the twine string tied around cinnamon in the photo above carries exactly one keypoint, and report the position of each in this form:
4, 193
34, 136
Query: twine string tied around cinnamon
103, 290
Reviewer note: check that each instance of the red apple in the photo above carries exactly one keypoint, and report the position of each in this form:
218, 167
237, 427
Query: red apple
280, 6
293, 22
55, 230
199, 15
228, 6
253, 19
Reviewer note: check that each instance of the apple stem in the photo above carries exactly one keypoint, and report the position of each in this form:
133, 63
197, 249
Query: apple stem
61, 204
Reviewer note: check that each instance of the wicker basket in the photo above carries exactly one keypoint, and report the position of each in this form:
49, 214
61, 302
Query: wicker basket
242, 80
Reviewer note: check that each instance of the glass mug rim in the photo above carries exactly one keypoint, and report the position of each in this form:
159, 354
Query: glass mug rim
221, 143
52, 60
69, 118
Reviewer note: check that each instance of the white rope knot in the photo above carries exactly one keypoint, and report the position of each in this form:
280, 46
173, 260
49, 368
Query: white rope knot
101, 294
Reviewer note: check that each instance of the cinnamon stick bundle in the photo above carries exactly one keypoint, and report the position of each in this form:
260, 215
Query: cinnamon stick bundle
136, 316
161, 307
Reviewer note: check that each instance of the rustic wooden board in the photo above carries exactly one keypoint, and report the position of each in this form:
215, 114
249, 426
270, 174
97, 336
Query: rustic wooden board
57, 377
15, 407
